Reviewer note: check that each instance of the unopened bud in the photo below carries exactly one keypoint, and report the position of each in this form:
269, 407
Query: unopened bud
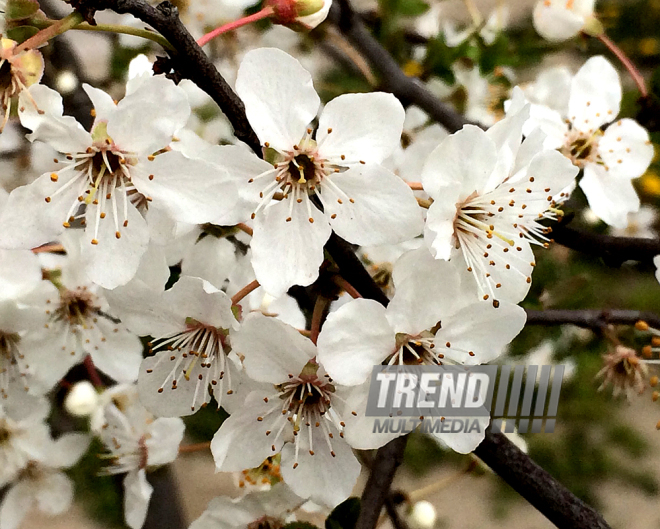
82, 399
422, 515
299, 15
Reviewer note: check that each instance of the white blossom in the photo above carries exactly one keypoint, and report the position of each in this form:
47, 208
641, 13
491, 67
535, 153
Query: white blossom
558, 20
115, 175
338, 169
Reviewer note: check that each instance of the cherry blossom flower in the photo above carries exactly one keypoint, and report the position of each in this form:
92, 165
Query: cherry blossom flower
24, 436
298, 413
42, 482
136, 442
430, 320
20, 71
79, 323
558, 20
265, 509
609, 158
337, 169
192, 324
114, 173
490, 191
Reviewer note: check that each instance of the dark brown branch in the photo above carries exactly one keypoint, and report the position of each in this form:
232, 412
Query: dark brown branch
592, 319
613, 250
189, 61
534, 484
407, 89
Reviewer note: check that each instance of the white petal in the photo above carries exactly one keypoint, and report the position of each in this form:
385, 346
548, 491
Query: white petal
383, 208
192, 297
55, 493
426, 291
280, 100
20, 272
466, 157
626, 149
365, 127
120, 355
137, 493
113, 262
610, 198
354, 338
146, 119
288, 253
16, 505
481, 329
439, 229
595, 95
63, 133
241, 442
324, 479
464, 442
191, 191
104, 105
166, 435
272, 349
68, 449
212, 258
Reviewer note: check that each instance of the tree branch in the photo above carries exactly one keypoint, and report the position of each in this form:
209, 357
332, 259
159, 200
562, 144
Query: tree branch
189, 61
539, 488
407, 89
613, 250
591, 319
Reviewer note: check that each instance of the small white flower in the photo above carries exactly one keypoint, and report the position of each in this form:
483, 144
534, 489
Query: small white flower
298, 412
558, 20
137, 441
262, 509
338, 168
422, 515
430, 320
115, 175
610, 158
490, 191
42, 483
82, 399
192, 324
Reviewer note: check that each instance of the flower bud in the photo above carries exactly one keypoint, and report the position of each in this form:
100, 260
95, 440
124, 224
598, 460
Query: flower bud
82, 399
299, 15
422, 515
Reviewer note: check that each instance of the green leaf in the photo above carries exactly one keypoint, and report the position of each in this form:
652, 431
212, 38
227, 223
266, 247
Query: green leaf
21, 34
20, 9
345, 515
412, 8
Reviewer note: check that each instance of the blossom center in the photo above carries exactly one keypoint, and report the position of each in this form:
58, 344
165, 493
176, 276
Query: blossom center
582, 148
198, 354
76, 307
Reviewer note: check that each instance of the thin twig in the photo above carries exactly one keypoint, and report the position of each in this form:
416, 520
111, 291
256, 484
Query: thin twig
250, 287
591, 319
627, 63
197, 447
392, 78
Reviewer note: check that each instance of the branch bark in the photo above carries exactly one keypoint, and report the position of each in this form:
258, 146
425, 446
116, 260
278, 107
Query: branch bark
592, 319
613, 250
393, 80
539, 488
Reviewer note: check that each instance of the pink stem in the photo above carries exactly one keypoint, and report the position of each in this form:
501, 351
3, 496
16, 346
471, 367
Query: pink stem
264, 13
244, 292
634, 72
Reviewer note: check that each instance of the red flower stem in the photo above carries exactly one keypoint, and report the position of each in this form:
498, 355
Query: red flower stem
197, 447
264, 13
317, 317
254, 285
94, 377
627, 63
350, 289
